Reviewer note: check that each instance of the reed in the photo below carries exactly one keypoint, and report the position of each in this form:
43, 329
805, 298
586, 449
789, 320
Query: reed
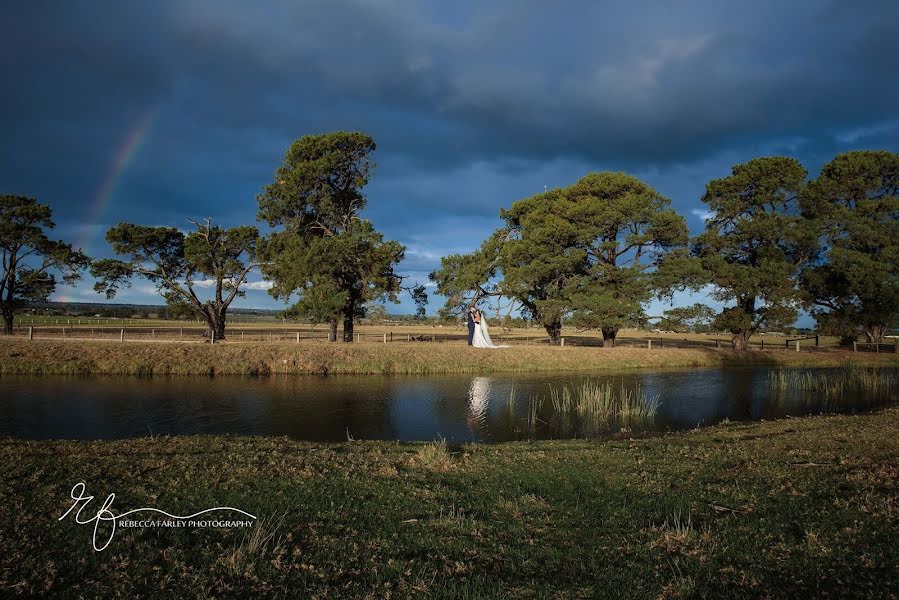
833, 386
591, 409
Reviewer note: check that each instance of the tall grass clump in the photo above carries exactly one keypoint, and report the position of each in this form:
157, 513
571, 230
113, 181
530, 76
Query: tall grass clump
849, 381
434, 455
531, 425
592, 408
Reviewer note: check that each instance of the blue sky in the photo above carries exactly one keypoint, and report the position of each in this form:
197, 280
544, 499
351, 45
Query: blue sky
161, 111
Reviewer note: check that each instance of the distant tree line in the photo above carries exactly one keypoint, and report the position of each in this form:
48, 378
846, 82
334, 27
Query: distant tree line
591, 255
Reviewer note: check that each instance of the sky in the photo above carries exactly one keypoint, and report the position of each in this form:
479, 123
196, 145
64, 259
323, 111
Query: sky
157, 112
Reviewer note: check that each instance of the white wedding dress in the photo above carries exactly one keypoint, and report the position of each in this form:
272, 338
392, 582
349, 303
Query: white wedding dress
482, 336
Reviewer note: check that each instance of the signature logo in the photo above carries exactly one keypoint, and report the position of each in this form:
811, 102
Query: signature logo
105, 515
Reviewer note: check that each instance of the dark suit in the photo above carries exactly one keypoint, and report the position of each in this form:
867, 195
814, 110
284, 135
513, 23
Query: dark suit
470, 328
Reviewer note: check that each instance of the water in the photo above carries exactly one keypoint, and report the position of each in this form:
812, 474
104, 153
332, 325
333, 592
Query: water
459, 408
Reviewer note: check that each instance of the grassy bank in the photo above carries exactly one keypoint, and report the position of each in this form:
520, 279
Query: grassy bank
146, 358
794, 508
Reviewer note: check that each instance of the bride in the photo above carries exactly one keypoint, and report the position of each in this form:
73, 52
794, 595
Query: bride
481, 334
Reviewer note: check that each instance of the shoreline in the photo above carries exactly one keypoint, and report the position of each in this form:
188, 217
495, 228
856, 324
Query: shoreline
75, 357
739, 509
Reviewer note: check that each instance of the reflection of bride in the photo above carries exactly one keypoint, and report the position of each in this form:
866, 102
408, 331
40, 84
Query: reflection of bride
478, 396
481, 337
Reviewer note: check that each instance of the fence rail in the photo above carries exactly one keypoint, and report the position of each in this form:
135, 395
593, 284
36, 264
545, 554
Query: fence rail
299, 335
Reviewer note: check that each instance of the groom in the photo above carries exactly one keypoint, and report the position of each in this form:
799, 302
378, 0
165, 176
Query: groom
471, 310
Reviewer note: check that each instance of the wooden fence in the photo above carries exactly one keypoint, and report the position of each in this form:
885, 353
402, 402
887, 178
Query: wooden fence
280, 335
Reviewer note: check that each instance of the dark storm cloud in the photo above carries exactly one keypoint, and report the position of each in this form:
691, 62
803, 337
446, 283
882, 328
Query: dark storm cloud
472, 104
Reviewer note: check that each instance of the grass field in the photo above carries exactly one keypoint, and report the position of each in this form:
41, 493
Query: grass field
795, 508
277, 330
77, 357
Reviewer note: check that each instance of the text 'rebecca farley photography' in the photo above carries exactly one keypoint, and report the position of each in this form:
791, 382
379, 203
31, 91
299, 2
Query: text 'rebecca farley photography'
378, 299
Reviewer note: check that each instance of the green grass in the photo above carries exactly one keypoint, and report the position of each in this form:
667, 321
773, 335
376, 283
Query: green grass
45, 357
795, 508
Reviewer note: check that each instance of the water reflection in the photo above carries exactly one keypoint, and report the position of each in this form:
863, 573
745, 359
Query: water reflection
459, 408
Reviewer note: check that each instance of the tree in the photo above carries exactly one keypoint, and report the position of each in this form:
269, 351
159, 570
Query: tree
325, 254
31, 261
533, 264
855, 204
686, 318
635, 247
177, 309
753, 246
595, 251
377, 313
210, 256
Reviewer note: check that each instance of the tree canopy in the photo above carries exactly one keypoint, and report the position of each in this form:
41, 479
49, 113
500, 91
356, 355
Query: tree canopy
686, 318
854, 203
596, 251
31, 261
636, 247
323, 252
755, 243
181, 265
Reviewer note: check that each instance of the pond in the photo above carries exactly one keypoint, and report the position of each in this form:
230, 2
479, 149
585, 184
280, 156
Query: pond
460, 408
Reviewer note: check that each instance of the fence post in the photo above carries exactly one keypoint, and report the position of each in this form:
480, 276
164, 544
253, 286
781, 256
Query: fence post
298, 337
212, 337
649, 344
385, 338
817, 341
122, 334
797, 346
717, 343
63, 333
563, 342
30, 333
854, 346
391, 336
877, 347
763, 344
181, 333
408, 337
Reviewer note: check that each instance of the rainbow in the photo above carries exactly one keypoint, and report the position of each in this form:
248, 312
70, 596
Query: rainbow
123, 158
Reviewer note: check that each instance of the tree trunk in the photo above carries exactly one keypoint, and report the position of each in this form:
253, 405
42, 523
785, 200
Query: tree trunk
608, 336
9, 305
215, 323
348, 324
554, 331
740, 339
875, 333
332, 330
